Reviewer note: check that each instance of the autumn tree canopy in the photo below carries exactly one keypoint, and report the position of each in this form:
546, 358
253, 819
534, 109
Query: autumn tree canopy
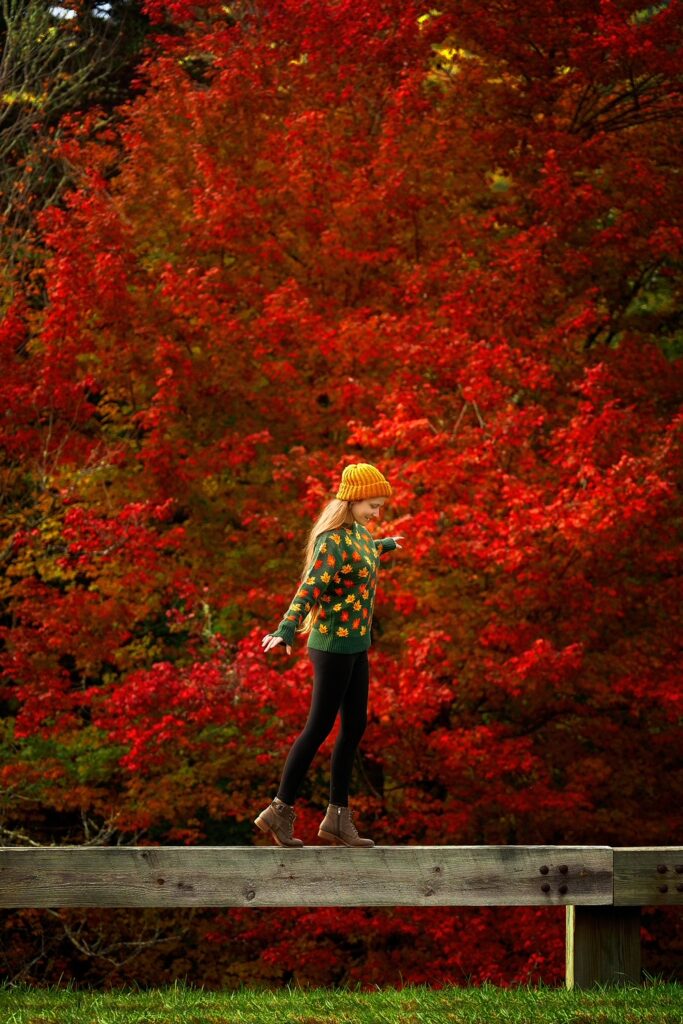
445, 240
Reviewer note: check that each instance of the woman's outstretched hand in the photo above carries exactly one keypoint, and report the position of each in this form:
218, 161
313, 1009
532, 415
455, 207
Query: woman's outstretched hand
271, 641
397, 539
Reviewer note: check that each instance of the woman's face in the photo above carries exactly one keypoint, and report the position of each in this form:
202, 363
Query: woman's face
369, 508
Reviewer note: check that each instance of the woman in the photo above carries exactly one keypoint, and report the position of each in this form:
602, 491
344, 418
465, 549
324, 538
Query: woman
335, 600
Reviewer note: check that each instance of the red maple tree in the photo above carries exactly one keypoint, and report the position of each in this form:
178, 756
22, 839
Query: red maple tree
447, 242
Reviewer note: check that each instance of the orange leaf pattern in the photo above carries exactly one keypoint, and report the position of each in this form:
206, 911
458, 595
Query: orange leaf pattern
350, 557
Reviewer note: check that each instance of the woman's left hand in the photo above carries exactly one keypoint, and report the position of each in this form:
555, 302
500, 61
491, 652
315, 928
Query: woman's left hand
397, 539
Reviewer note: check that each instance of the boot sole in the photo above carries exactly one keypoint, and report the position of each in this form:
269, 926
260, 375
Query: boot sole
266, 828
336, 841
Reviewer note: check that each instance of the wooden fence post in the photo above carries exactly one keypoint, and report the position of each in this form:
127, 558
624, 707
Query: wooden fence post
602, 946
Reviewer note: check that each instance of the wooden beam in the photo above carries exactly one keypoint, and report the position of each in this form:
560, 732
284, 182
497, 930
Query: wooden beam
309, 876
648, 876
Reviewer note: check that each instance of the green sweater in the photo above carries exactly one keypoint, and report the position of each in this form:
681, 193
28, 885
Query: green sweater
342, 579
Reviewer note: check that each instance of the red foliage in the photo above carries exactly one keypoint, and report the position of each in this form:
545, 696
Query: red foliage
448, 242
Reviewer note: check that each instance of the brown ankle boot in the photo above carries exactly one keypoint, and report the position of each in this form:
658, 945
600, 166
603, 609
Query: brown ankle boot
278, 819
338, 828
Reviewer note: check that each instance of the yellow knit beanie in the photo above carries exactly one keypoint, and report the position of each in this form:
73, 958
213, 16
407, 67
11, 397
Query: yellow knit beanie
362, 480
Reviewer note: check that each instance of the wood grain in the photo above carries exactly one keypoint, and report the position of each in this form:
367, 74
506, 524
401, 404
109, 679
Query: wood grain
648, 876
309, 876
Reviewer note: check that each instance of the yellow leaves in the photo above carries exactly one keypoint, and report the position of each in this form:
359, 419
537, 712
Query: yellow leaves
39, 554
447, 53
499, 182
23, 96
431, 13
303, 59
210, 486
446, 62
49, 531
142, 650
448, 56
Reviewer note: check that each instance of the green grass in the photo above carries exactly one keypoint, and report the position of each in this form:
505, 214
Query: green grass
655, 1002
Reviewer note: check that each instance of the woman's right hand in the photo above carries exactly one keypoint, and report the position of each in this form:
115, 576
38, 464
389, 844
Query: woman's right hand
270, 641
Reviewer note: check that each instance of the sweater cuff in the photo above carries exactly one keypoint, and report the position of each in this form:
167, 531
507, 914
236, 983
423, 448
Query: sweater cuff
285, 632
388, 544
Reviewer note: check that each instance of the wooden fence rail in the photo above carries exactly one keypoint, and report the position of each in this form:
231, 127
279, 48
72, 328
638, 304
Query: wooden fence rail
602, 887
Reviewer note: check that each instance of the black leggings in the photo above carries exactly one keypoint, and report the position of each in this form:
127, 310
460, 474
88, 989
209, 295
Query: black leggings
340, 682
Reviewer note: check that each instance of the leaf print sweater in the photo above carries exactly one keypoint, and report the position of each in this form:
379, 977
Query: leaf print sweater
342, 579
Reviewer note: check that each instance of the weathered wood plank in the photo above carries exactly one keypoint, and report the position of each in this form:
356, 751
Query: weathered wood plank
165, 876
648, 875
602, 946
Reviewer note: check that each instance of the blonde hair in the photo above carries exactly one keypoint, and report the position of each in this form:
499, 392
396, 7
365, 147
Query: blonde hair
331, 518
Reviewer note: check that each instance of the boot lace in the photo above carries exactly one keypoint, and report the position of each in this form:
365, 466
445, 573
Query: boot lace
286, 811
351, 826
